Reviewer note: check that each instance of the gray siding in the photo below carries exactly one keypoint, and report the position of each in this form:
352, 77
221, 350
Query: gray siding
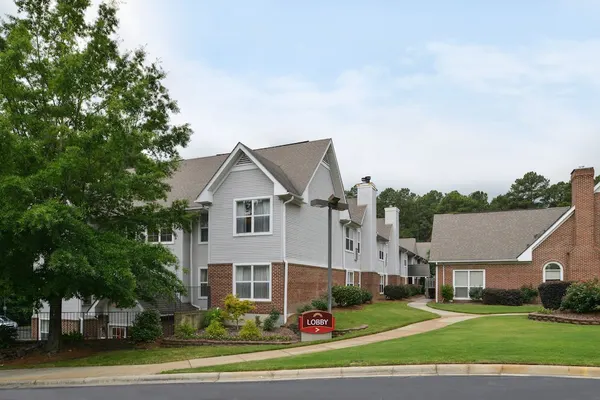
307, 226
403, 264
349, 262
199, 259
224, 246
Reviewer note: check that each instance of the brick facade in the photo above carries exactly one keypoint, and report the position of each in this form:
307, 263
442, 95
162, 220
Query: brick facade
575, 245
370, 281
306, 283
396, 280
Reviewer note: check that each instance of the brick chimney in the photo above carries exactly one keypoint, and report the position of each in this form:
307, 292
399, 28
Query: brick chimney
582, 185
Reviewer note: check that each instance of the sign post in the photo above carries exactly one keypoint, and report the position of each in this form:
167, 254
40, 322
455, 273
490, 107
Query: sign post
316, 325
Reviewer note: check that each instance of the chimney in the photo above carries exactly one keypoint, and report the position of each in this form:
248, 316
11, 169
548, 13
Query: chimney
366, 194
392, 217
582, 185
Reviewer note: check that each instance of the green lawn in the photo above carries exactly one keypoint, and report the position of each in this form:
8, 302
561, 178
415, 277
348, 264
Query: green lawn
508, 339
379, 316
478, 308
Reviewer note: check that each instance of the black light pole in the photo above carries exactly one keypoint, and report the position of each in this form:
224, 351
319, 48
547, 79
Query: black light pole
333, 203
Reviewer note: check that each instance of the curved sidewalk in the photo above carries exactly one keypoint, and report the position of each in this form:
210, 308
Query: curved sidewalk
49, 374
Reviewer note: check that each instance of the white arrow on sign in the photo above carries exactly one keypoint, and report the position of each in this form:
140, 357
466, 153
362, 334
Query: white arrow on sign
317, 330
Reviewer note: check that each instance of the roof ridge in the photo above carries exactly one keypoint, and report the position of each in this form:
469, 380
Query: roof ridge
505, 211
290, 144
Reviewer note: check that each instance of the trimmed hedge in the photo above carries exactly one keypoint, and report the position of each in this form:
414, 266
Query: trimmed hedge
504, 297
346, 296
582, 297
552, 293
475, 293
396, 292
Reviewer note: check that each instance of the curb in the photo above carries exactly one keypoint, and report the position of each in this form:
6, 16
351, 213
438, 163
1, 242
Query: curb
324, 373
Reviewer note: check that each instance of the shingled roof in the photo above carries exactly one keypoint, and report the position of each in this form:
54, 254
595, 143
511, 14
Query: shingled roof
383, 230
292, 165
357, 212
490, 236
408, 244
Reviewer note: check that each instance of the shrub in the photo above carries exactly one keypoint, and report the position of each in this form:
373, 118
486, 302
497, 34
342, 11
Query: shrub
447, 293
250, 331
367, 296
582, 297
529, 293
72, 337
235, 308
303, 308
8, 336
294, 328
257, 321
185, 331
346, 296
213, 314
476, 293
271, 321
543, 310
552, 293
413, 290
503, 297
396, 292
146, 327
215, 330
319, 304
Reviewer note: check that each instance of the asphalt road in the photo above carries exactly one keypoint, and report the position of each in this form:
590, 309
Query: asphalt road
427, 388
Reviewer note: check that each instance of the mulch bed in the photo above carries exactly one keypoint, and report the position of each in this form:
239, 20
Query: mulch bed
568, 317
287, 336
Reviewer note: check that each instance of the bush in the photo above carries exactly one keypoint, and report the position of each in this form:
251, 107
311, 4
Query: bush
413, 290
146, 327
552, 293
257, 321
8, 336
185, 331
215, 330
396, 292
543, 310
476, 293
303, 308
319, 304
235, 308
447, 293
72, 337
250, 331
213, 314
582, 297
367, 296
529, 293
503, 297
346, 296
271, 321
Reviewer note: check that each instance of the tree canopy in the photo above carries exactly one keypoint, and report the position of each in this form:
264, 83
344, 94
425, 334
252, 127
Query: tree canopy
87, 145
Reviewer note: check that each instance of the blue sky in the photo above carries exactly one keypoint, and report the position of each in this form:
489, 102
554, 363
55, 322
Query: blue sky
439, 94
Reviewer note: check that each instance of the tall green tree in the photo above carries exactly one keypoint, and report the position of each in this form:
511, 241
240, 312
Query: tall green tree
528, 191
87, 144
557, 195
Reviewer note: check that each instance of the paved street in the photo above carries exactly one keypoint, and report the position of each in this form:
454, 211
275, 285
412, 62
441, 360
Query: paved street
431, 388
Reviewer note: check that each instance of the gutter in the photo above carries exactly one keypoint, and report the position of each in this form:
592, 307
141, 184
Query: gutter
285, 260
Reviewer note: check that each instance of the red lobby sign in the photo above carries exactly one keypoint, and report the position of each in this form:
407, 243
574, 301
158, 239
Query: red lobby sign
316, 322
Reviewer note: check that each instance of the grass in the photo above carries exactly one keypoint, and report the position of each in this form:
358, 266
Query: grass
478, 308
508, 339
379, 316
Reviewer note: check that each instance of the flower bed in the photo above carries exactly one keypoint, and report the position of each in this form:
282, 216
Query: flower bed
174, 342
567, 318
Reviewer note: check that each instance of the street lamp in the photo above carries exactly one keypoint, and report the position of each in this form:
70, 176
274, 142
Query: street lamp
333, 203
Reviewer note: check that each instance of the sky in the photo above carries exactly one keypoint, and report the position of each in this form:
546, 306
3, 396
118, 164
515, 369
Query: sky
433, 94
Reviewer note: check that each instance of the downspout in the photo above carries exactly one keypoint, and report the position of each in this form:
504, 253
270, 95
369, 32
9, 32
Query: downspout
437, 278
344, 251
285, 260
191, 268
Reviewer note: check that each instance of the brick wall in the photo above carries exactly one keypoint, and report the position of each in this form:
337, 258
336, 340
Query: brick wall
597, 213
396, 280
220, 278
370, 281
307, 282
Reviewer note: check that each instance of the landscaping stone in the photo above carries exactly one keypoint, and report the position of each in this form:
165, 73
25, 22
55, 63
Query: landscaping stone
567, 318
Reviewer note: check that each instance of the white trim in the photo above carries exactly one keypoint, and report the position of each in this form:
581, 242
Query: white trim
325, 165
472, 261
172, 241
206, 196
597, 188
348, 231
270, 232
353, 272
252, 265
200, 297
311, 264
527, 255
284, 255
200, 227
247, 167
468, 281
562, 273
359, 240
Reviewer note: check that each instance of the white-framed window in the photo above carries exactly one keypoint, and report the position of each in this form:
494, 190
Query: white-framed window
164, 236
118, 332
203, 228
252, 216
252, 282
464, 280
44, 328
358, 241
203, 282
349, 239
405, 262
349, 278
380, 251
553, 271
381, 283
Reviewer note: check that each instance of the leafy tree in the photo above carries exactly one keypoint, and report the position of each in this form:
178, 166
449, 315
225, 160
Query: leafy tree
87, 146
528, 191
480, 200
454, 202
501, 203
234, 308
558, 195
351, 193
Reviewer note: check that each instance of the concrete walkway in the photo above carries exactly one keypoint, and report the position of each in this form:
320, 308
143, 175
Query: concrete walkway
51, 374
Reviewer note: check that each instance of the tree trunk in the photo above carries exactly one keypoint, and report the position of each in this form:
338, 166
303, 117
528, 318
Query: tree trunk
55, 325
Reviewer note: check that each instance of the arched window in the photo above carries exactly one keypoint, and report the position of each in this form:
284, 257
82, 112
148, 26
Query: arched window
553, 271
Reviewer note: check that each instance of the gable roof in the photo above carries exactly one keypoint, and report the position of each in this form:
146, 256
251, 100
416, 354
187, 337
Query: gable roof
383, 230
491, 236
408, 244
292, 165
357, 213
423, 249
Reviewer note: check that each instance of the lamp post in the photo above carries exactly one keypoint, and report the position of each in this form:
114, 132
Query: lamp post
332, 203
